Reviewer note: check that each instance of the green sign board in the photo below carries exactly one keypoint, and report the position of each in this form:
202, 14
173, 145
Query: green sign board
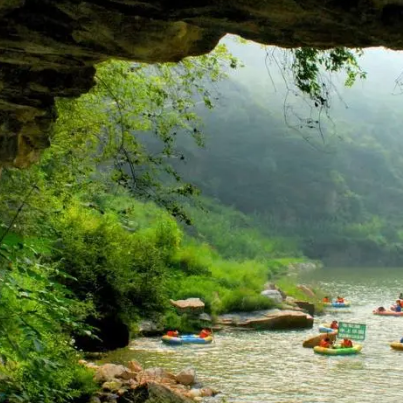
353, 331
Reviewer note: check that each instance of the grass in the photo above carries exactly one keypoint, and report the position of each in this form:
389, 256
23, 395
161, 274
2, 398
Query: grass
290, 287
224, 285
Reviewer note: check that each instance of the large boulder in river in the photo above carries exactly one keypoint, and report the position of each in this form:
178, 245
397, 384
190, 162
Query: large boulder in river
273, 320
315, 340
190, 305
281, 321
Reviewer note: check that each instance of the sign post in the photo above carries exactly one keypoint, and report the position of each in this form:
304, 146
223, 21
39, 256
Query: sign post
353, 331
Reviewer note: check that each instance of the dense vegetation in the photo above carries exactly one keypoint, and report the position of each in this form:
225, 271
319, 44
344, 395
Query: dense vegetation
96, 236
332, 184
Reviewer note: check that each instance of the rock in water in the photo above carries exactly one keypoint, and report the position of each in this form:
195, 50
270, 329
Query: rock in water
306, 306
193, 305
111, 372
281, 320
156, 375
186, 377
150, 328
151, 392
275, 295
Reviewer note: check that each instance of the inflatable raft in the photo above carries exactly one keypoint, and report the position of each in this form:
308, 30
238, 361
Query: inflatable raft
186, 339
335, 304
396, 345
387, 313
338, 350
325, 328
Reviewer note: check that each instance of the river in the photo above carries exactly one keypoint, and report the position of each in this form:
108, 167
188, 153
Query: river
257, 367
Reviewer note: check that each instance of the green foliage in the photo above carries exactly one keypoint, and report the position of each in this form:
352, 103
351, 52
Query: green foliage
246, 301
236, 235
309, 62
122, 272
132, 106
39, 362
288, 284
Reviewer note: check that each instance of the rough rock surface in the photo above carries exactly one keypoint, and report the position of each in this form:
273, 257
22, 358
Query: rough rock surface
49, 48
194, 305
280, 320
132, 384
153, 392
274, 295
306, 306
150, 328
186, 377
111, 372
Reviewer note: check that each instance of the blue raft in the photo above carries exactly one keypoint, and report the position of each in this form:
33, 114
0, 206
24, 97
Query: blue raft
326, 329
186, 339
335, 304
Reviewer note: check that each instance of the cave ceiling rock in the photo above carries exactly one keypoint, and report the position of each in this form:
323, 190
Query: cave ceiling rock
48, 48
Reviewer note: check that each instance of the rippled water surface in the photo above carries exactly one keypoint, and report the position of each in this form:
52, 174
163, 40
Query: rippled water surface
273, 366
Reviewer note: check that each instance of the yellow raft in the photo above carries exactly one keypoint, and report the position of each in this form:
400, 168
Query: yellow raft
396, 345
338, 350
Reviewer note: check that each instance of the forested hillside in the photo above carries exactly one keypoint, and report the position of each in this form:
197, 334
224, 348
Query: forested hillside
339, 196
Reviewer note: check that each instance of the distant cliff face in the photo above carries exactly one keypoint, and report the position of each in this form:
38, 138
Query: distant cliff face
48, 47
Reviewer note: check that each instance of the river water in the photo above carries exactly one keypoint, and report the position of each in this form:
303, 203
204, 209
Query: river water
256, 367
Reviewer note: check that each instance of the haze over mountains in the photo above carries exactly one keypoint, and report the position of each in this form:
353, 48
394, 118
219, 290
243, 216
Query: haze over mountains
334, 182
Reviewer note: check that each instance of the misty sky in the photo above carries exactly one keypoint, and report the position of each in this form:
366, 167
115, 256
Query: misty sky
377, 94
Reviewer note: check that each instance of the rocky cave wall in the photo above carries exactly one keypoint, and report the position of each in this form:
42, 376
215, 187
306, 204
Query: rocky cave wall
48, 48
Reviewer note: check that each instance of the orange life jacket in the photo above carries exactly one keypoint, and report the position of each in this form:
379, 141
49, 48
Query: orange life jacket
324, 343
347, 343
326, 300
334, 326
172, 333
204, 333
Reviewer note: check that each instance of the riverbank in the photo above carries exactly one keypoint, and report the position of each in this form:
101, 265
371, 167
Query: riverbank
134, 384
274, 309
128, 382
255, 366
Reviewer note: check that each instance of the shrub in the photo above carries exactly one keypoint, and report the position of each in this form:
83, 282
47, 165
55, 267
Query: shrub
245, 301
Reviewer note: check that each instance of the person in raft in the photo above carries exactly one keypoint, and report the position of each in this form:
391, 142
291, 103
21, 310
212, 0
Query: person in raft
326, 343
326, 300
380, 309
346, 343
401, 340
398, 307
340, 300
334, 325
205, 333
172, 333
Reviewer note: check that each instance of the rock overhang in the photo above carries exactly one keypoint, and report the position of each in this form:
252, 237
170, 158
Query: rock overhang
48, 48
